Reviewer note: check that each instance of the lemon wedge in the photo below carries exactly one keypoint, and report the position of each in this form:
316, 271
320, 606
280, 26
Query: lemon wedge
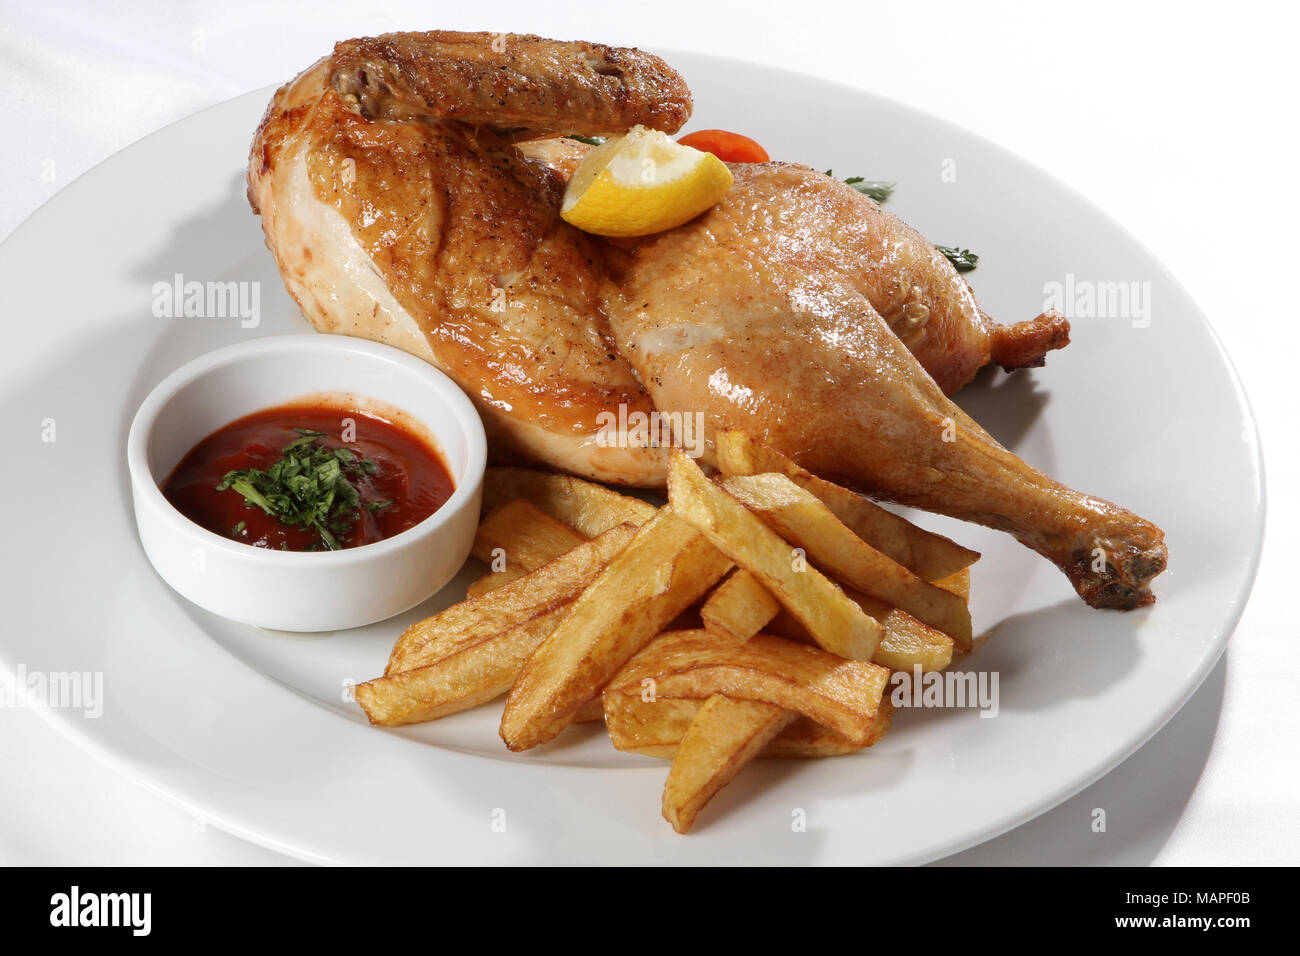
642, 183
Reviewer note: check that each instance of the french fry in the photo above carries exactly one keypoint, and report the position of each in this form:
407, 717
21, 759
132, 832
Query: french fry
806, 739
835, 622
739, 607
478, 619
724, 736
665, 568
471, 674
655, 727
584, 506
493, 580
843, 695
958, 584
526, 535
929, 555
529, 541
572, 629
652, 727
470, 664
590, 712
801, 518
905, 642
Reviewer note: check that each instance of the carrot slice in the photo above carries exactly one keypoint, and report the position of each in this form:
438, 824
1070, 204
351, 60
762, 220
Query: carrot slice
727, 146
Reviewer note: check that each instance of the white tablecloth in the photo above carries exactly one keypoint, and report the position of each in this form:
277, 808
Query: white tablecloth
1179, 119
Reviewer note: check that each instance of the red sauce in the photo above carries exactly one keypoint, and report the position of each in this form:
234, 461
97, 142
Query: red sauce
407, 472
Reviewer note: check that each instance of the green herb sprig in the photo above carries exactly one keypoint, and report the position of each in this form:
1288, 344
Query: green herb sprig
309, 486
589, 140
963, 260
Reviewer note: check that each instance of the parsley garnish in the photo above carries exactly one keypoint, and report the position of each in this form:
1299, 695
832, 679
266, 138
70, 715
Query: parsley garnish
310, 486
963, 260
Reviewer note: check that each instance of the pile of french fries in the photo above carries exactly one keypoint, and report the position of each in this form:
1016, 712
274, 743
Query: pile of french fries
758, 613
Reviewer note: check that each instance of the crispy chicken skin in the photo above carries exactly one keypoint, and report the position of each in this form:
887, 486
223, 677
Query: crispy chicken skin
822, 227
402, 205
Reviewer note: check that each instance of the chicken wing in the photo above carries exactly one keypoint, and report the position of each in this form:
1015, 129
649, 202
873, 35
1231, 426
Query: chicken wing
521, 86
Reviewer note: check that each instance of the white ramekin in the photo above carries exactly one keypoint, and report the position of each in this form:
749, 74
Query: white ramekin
304, 591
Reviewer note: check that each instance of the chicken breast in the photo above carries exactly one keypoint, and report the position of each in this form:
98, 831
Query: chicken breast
445, 240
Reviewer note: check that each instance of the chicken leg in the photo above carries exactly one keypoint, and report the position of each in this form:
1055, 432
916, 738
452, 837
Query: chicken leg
828, 229
732, 316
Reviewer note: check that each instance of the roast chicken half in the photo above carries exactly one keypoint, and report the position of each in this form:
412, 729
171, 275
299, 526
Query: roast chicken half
410, 186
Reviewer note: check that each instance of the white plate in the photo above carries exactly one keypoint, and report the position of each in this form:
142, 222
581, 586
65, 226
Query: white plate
250, 729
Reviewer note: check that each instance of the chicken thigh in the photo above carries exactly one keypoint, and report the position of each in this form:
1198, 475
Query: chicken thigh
817, 225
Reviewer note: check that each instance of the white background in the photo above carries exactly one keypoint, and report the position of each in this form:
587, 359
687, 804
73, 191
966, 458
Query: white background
1179, 119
